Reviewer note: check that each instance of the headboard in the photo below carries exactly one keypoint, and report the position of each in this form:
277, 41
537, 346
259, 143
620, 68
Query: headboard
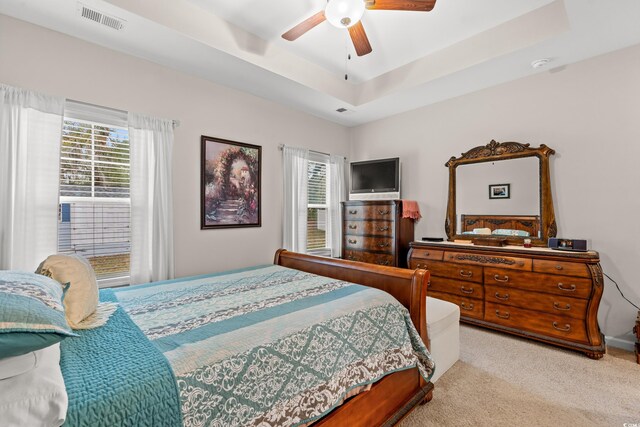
530, 223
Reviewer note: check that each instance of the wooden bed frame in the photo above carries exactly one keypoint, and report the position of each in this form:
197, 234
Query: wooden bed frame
394, 396
530, 223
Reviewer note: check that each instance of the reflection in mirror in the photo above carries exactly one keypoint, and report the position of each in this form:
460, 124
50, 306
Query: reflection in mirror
512, 210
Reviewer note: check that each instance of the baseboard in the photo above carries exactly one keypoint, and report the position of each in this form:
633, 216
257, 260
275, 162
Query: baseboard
620, 343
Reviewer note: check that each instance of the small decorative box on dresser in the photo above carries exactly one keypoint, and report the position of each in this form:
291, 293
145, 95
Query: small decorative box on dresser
374, 231
538, 293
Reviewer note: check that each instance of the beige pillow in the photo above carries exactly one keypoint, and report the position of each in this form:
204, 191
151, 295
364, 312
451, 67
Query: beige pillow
81, 298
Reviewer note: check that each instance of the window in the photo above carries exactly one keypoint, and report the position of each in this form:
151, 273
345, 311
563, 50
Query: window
317, 208
94, 213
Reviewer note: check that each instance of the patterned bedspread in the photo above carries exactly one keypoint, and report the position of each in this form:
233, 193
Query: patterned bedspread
271, 346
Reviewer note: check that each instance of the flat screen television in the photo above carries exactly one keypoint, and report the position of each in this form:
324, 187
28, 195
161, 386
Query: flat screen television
375, 179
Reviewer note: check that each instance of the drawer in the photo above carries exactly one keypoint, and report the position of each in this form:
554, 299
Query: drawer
449, 270
370, 228
457, 287
561, 267
468, 307
427, 254
553, 304
534, 321
377, 212
547, 283
369, 257
489, 260
381, 244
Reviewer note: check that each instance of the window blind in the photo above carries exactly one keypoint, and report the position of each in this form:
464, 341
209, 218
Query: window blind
317, 209
94, 213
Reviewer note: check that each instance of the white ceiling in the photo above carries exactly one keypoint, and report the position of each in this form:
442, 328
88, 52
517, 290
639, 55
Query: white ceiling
397, 37
418, 58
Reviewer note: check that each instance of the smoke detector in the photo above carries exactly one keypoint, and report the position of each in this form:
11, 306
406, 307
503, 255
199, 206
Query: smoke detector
538, 63
100, 17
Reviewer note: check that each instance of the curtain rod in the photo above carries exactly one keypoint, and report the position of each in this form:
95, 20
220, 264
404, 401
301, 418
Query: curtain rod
176, 123
281, 147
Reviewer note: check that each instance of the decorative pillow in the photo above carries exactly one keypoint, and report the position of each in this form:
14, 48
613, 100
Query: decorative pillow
482, 231
31, 313
509, 232
81, 298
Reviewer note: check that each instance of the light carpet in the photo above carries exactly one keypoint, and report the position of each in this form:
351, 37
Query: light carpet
501, 380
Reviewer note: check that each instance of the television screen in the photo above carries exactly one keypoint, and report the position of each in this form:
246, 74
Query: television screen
375, 176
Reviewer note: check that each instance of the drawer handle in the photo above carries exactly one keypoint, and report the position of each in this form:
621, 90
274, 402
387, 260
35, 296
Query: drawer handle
503, 280
381, 212
465, 290
352, 226
466, 273
565, 328
571, 288
421, 266
566, 307
383, 245
506, 315
386, 262
383, 228
353, 212
353, 241
466, 307
352, 258
559, 267
504, 297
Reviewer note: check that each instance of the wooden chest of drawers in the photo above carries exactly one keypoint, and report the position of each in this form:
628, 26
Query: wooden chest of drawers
537, 293
375, 232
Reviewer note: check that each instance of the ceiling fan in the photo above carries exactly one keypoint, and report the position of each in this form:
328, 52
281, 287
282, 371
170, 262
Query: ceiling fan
347, 14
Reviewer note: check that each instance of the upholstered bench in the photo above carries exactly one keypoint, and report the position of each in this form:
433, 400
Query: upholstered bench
443, 326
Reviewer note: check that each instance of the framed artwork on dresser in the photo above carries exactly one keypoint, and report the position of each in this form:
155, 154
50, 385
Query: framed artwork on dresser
230, 175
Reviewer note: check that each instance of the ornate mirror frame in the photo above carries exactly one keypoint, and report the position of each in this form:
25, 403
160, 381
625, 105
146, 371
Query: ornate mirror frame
503, 151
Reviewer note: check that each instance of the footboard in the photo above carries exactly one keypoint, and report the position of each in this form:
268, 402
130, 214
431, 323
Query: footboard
395, 395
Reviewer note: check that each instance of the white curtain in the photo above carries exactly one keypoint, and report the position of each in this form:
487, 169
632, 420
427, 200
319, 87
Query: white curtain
294, 218
336, 193
30, 134
151, 145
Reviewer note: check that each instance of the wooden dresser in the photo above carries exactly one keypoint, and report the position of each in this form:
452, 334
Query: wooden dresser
375, 232
538, 293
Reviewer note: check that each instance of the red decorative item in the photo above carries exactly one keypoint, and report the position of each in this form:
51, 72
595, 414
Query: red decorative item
410, 209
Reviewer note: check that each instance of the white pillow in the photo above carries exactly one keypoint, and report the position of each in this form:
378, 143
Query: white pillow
37, 397
16, 365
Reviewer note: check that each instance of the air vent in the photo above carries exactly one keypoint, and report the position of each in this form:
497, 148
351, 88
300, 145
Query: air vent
101, 18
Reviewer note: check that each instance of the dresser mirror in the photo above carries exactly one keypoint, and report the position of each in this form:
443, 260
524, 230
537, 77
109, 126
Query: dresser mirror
501, 192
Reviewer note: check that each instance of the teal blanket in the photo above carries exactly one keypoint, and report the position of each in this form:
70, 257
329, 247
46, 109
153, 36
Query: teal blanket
116, 377
271, 346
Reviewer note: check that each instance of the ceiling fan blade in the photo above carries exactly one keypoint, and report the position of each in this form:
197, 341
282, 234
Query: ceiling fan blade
304, 26
360, 39
414, 5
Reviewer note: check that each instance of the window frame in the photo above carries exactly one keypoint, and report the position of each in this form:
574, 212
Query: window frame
116, 280
315, 157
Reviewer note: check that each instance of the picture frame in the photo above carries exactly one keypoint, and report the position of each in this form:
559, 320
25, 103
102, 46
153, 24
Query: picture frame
499, 191
230, 184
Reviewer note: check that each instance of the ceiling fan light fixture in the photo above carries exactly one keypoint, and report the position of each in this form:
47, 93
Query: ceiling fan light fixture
344, 13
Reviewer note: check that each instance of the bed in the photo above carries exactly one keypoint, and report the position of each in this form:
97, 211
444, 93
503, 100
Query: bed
305, 340
526, 225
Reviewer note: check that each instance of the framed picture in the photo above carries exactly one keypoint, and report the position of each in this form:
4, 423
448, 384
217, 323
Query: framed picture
230, 184
500, 191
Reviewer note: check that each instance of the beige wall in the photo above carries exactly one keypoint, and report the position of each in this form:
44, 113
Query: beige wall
46, 61
589, 113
